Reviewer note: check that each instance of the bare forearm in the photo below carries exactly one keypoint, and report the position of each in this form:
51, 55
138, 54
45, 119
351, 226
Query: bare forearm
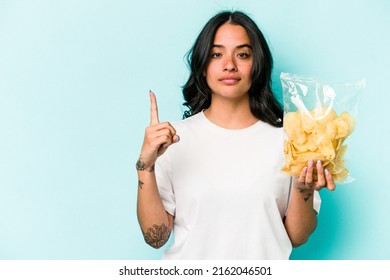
155, 222
301, 219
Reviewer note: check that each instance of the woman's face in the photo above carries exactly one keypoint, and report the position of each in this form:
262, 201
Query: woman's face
228, 73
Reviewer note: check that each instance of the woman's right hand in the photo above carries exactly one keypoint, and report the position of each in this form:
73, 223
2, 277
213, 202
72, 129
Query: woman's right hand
158, 137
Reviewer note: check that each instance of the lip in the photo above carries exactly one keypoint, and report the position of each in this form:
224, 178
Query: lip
230, 80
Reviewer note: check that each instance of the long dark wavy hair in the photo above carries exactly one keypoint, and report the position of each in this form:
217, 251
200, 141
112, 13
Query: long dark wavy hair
197, 93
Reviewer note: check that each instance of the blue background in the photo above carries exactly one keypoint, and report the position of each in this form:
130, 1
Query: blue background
74, 83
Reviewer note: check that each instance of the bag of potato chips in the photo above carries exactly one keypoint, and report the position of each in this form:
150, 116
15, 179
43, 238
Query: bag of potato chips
318, 120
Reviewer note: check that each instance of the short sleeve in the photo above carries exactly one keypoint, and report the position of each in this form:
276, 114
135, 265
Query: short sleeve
164, 182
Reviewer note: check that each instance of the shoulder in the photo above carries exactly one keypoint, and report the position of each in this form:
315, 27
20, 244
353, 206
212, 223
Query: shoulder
272, 129
189, 123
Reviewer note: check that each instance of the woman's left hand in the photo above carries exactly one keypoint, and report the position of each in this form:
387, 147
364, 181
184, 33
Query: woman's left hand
306, 181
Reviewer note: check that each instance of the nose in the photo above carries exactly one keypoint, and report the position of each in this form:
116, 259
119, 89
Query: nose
230, 64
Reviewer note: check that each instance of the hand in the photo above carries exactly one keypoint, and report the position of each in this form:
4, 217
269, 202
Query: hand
306, 180
158, 137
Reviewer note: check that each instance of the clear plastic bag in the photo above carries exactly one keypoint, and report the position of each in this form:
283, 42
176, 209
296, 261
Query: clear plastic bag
319, 118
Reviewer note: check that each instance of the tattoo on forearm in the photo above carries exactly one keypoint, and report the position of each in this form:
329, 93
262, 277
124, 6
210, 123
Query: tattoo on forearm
140, 183
140, 165
157, 236
306, 196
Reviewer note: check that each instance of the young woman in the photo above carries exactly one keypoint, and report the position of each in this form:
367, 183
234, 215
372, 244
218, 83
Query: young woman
218, 186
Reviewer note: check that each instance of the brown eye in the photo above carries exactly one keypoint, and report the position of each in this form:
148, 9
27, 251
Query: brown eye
216, 55
243, 55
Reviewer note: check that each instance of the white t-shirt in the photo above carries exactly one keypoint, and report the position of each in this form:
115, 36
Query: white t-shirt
226, 191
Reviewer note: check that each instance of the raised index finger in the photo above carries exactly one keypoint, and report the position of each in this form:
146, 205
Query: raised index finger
153, 109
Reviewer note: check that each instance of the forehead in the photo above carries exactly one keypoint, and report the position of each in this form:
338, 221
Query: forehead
231, 34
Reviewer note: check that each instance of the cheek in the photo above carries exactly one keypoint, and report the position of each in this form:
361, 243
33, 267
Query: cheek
247, 69
211, 73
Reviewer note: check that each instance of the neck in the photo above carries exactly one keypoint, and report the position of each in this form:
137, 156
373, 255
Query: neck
230, 114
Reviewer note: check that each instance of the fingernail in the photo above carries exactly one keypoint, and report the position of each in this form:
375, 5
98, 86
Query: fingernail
327, 172
177, 138
311, 163
319, 162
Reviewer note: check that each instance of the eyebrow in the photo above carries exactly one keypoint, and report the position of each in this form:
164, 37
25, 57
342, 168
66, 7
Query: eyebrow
238, 47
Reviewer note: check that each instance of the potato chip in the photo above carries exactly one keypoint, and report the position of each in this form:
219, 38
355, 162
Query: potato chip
342, 128
349, 120
326, 149
318, 135
294, 128
307, 122
331, 130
